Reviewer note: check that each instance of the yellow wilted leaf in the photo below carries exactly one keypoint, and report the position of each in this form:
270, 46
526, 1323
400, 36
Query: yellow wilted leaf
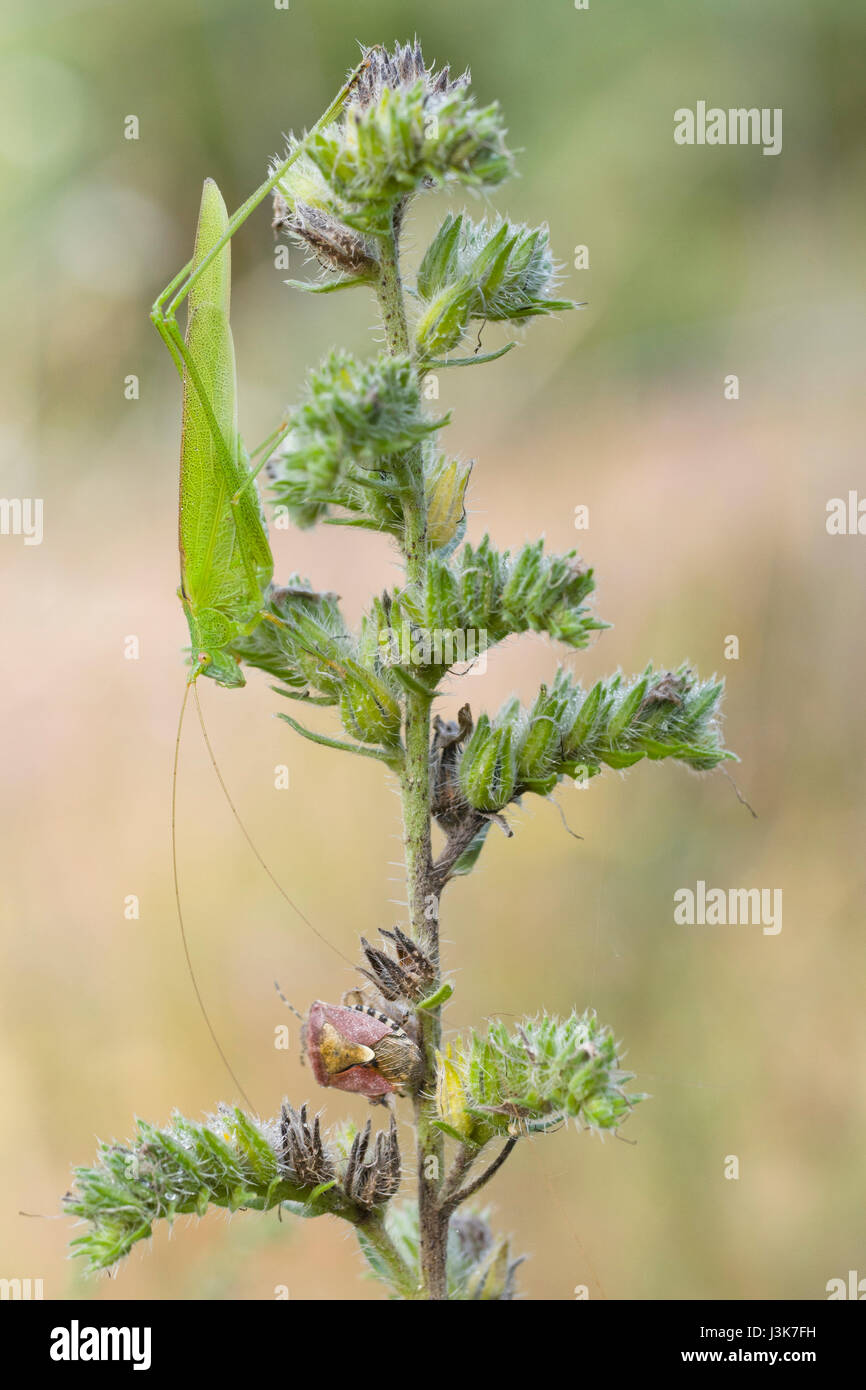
446, 490
450, 1098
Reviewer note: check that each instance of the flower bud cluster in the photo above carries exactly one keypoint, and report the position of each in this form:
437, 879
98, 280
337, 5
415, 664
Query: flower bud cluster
404, 128
571, 733
483, 590
308, 648
229, 1161
546, 1070
346, 441
494, 269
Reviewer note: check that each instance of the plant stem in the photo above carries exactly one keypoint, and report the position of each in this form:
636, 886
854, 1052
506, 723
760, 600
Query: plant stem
466, 1156
471, 1188
371, 1233
415, 790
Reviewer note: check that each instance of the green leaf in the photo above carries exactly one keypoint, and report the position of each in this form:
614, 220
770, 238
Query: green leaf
351, 282
450, 1131
363, 750
441, 996
626, 710
468, 859
619, 758
475, 360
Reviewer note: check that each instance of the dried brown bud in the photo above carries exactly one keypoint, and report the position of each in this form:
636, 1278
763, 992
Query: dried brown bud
408, 973
668, 689
448, 803
402, 68
335, 246
373, 1180
303, 1150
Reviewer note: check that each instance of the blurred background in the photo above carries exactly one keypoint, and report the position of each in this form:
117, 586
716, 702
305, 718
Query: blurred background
707, 519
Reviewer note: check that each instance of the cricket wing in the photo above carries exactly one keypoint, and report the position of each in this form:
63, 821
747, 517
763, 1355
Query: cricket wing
211, 562
213, 286
225, 556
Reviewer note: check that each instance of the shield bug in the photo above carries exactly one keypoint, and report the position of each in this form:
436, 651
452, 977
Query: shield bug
355, 1048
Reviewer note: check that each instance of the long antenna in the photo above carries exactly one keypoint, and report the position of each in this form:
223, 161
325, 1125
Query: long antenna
249, 839
742, 800
189, 966
287, 1002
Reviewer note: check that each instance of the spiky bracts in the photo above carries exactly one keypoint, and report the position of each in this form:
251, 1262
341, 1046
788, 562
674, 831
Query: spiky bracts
229, 1161
303, 1149
479, 769
569, 732
404, 128
348, 439
404, 972
492, 270
402, 68
492, 594
372, 1174
539, 1074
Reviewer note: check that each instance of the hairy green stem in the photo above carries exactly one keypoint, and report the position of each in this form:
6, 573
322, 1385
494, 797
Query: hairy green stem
415, 790
379, 1248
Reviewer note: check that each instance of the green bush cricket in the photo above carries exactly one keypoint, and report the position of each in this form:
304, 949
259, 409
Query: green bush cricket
225, 556
226, 561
